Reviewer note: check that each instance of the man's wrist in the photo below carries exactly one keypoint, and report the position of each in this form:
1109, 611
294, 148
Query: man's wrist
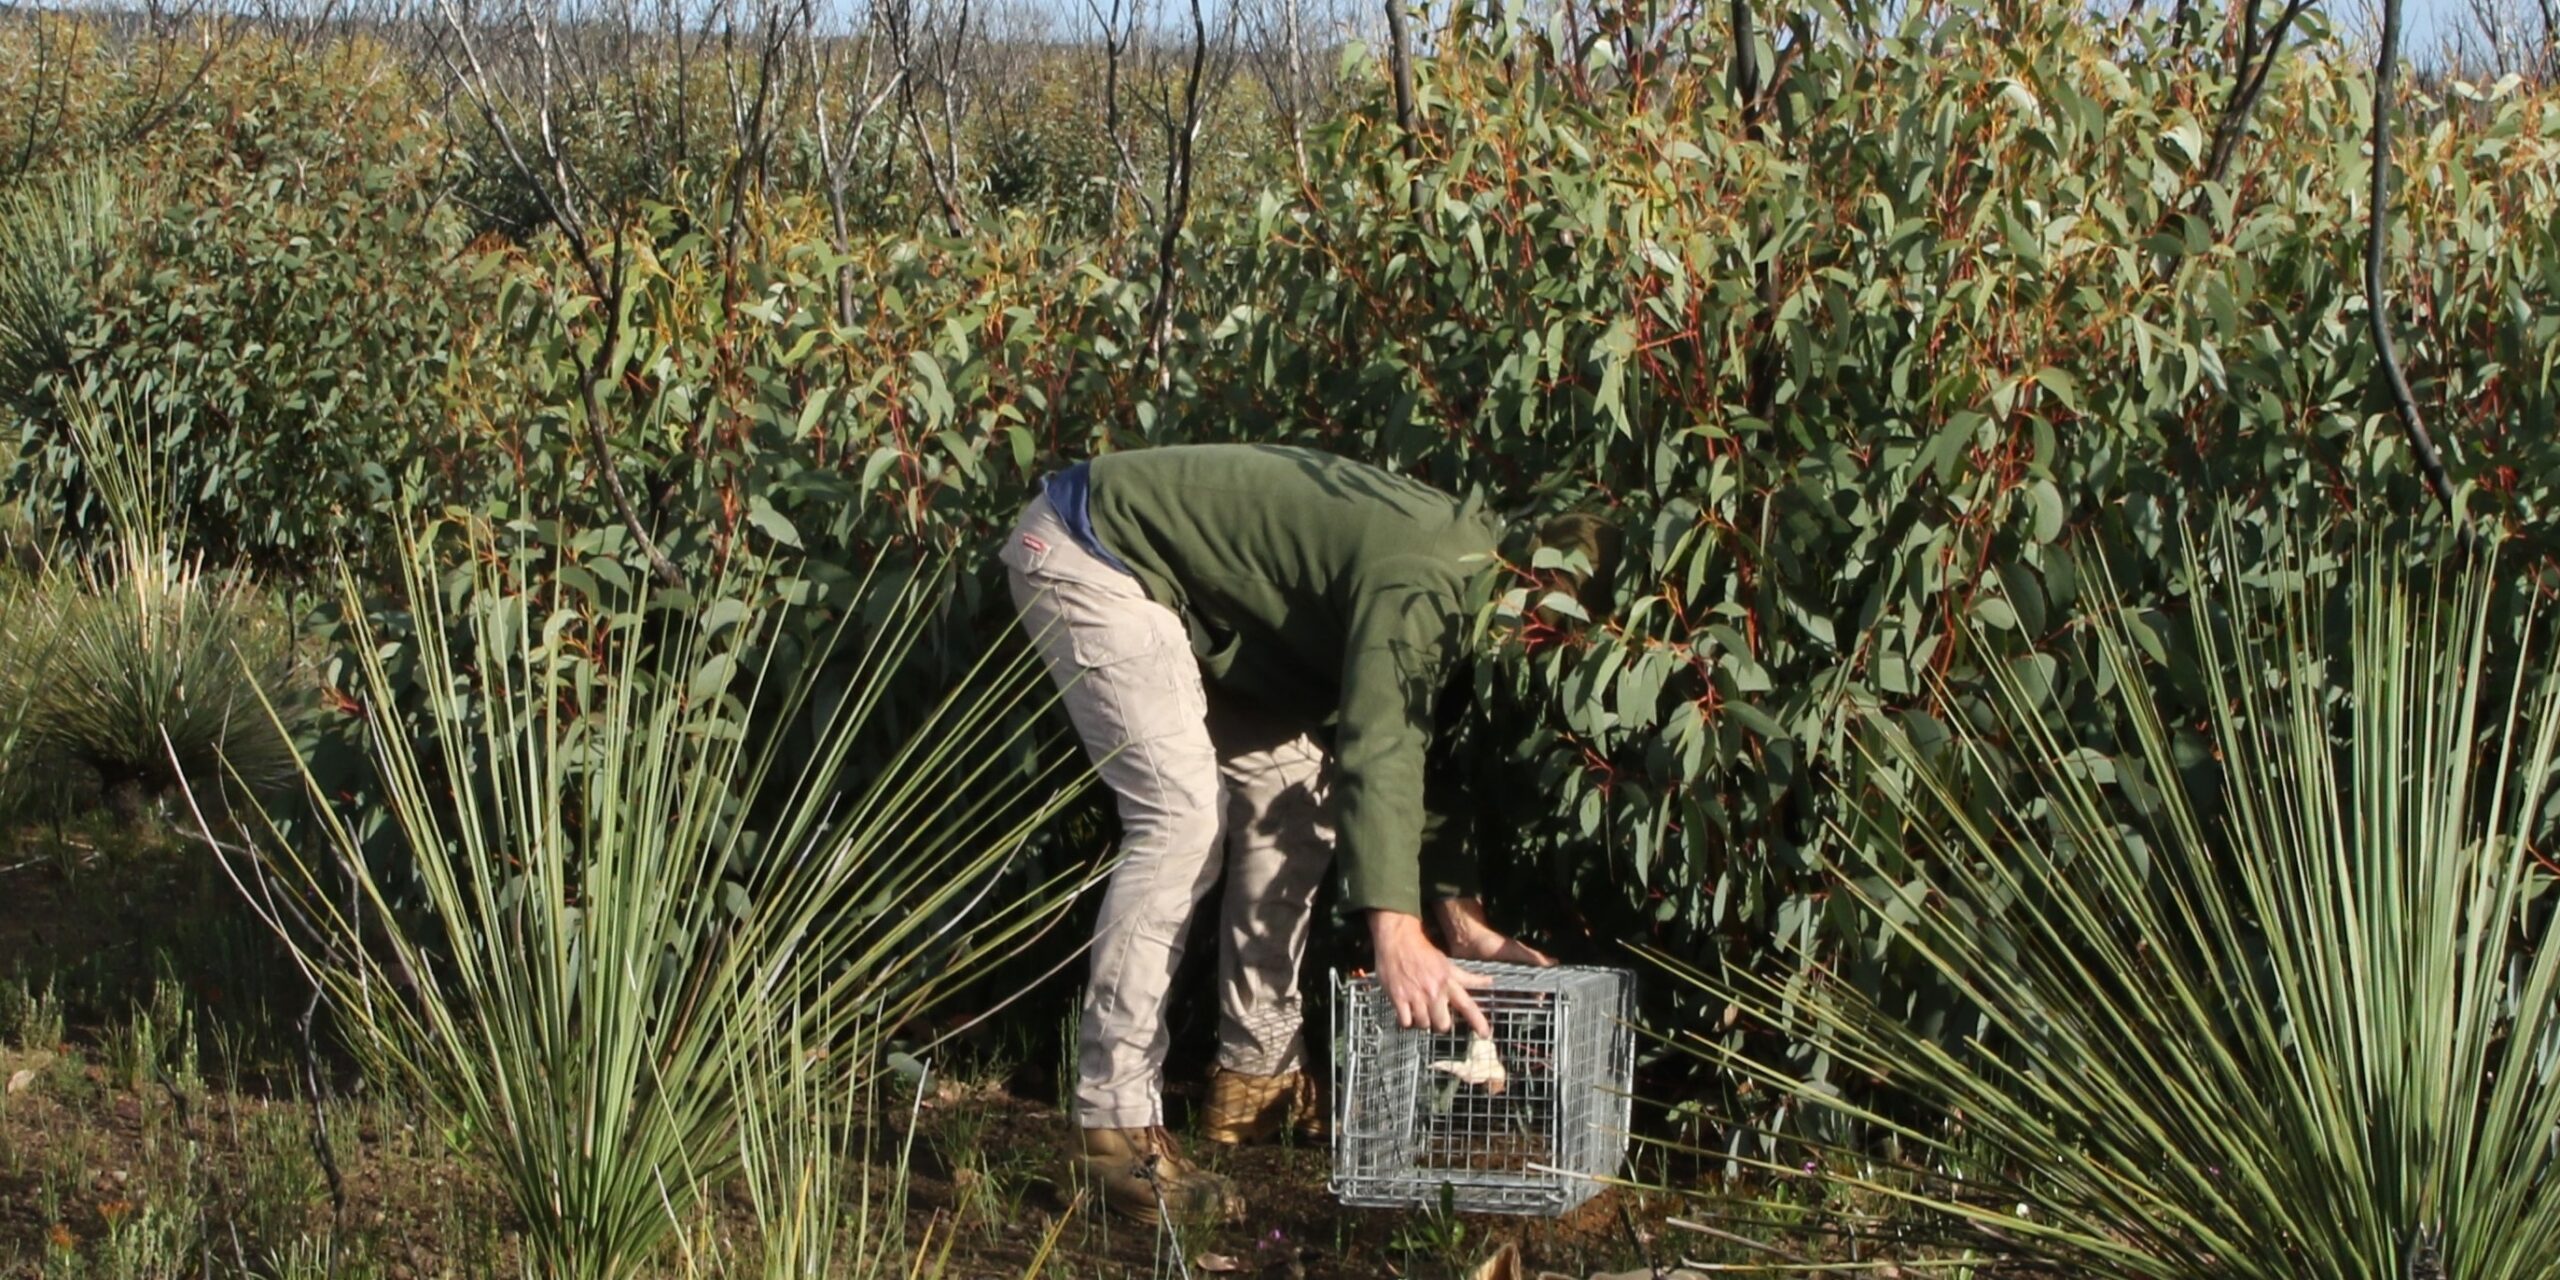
1460, 919
1393, 926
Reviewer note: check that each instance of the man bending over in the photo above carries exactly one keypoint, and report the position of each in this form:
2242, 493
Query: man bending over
1253, 643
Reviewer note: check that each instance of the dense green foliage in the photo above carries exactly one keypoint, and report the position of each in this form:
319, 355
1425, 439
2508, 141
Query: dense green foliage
288, 290
1858, 365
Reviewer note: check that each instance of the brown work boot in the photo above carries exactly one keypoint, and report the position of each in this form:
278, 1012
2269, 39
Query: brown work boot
1143, 1177
1247, 1108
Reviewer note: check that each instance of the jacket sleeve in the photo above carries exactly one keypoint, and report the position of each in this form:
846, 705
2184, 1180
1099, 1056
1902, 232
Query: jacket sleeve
1401, 634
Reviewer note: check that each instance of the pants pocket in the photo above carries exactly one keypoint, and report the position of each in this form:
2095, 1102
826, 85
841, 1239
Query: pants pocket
1087, 622
1151, 695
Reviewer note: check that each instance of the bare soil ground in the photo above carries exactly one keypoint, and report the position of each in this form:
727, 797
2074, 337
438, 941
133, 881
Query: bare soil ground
149, 1053
999, 1158
82, 1152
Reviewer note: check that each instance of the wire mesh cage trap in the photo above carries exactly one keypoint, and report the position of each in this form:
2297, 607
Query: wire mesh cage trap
1524, 1123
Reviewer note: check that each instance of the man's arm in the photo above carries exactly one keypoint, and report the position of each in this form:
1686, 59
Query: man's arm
1391, 670
1400, 634
1471, 937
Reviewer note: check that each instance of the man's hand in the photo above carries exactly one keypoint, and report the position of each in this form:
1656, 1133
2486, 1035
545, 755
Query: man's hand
1471, 937
1419, 980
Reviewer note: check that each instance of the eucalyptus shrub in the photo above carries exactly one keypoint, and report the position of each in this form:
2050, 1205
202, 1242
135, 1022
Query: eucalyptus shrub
290, 284
1861, 365
1857, 369
1856, 373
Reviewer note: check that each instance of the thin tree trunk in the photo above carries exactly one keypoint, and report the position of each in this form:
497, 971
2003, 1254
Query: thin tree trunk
2377, 308
2258, 58
1294, 50
1400, 61
1177, 203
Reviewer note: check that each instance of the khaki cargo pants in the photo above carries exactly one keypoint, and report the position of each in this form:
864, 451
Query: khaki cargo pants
1205, 785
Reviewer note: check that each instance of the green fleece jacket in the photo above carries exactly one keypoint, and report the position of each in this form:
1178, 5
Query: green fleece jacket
1313, 583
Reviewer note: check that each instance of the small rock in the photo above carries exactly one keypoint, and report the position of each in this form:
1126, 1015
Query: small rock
1218, 1263
21, 1078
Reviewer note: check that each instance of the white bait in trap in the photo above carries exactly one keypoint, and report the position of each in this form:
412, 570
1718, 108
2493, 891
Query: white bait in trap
1482, 1067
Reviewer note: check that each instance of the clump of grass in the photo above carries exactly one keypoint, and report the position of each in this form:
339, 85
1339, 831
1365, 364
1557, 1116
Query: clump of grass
2291, 1014
153, 1240
796, 1136
31, 1015
305, 1258
157, 672
619, 896
135, 660
160, 668
157, 1045
56, 235
279, 1182
26, 650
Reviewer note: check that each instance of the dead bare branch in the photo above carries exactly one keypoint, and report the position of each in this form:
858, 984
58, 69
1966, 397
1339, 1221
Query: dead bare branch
1117, 35
927, 61
40, 75
1400, 64
1278, 34
836, 159
564, 199
2377, 301
1179, 142
2260, 50
213, 41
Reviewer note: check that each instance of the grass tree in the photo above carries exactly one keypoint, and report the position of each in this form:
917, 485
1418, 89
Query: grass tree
56, 236
133, 657
632, 941
156, 664
2272, 1001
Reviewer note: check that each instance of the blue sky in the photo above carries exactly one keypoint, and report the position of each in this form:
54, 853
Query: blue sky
2428, 22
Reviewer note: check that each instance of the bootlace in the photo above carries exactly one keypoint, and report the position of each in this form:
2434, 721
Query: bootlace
1157, 1141
1156, 1145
